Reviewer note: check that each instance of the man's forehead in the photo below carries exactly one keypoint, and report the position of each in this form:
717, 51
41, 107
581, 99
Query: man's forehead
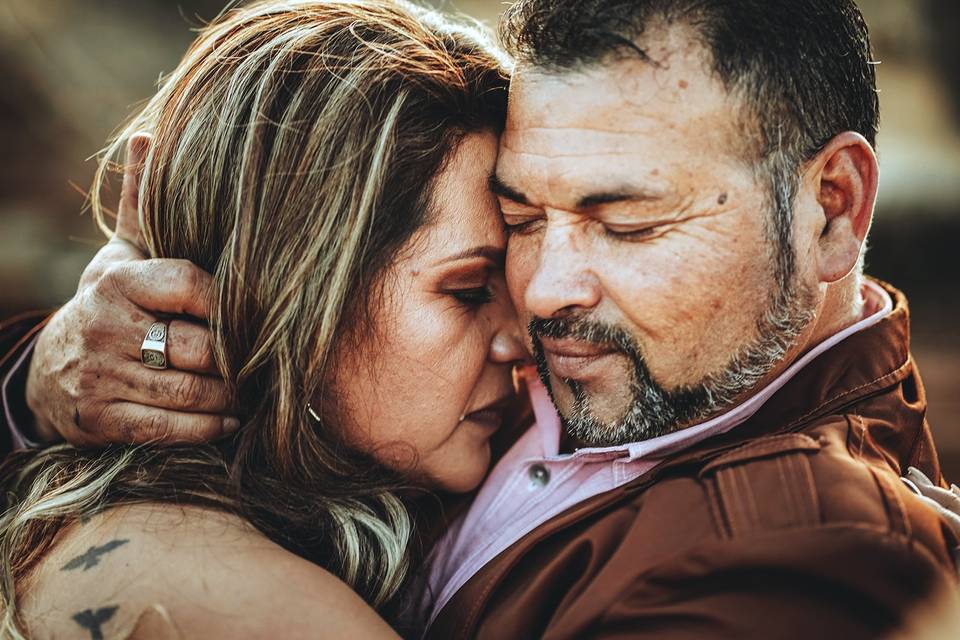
674, 64
617, 103
619, 124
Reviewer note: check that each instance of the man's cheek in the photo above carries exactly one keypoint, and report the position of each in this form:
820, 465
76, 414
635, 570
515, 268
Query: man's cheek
519, 269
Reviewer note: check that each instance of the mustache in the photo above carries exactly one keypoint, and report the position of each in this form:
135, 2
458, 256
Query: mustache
582, 328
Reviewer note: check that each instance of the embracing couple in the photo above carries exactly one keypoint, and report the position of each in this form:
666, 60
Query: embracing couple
621, 315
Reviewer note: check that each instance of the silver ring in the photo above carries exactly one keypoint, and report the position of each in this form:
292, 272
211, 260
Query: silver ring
153, 351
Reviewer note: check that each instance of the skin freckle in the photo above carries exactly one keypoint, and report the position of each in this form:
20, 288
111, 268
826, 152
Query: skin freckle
683, 84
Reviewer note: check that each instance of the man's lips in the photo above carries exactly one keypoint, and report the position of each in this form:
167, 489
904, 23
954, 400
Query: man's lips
576, 359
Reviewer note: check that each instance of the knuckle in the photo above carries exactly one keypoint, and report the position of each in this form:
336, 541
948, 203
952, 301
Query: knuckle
190, 279
205, 359
78, 421
109, 287
156, 425
111, 276
106, 419
189, 391
198, 352
185, 280
87, 381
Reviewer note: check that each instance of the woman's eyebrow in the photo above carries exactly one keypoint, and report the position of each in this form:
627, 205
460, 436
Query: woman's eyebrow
495, 255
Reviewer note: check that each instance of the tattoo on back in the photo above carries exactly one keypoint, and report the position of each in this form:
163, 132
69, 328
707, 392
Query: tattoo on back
93, 621
91, 557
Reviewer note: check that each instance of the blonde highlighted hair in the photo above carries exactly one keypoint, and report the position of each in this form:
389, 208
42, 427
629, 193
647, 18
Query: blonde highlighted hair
293, 153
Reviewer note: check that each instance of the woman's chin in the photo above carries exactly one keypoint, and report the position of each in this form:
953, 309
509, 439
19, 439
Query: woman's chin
464, 473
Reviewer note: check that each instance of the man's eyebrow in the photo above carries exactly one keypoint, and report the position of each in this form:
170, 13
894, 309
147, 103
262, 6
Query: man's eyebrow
496, 255
499, 188
613, 197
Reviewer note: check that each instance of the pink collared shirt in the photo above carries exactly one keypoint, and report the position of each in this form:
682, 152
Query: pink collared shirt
533, 482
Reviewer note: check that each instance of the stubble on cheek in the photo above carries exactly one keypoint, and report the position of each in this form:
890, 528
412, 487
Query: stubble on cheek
610, 396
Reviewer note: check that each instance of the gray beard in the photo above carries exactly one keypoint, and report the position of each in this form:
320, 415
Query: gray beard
655, 411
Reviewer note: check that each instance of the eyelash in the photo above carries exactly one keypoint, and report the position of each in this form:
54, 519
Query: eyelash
476, 297
521, 228
525, 227
629, 235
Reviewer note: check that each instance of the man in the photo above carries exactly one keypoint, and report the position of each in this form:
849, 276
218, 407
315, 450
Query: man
688, 186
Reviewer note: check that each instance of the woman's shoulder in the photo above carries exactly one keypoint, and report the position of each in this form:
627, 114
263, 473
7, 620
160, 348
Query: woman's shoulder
158, 571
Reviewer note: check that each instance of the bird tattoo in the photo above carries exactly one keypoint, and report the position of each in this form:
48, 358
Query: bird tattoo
91, 557
93, 621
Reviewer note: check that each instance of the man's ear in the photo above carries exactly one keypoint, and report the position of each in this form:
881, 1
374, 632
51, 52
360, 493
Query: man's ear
845, 178
128, 213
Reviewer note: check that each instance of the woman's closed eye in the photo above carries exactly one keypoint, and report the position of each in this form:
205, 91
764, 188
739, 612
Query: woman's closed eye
474, 296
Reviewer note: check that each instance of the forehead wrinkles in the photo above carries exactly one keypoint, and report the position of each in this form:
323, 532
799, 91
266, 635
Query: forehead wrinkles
575, 141
620, 104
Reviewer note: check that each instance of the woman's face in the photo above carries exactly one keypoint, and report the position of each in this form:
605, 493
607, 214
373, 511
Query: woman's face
427, 392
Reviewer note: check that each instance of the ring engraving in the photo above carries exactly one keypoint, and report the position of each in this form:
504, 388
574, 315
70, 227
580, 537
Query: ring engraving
153, 351
157, 332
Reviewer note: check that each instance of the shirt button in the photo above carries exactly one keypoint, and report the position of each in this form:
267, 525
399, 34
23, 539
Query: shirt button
539, 476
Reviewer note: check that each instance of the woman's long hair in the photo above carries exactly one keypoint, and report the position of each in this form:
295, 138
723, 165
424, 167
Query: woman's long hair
292, 157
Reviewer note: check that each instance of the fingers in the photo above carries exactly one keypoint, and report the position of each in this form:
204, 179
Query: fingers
951, 518
176, 390
128, 213
163, 286
136, 424
946, 502
945, 498
189, 344
190, 348
116, 251
919, 477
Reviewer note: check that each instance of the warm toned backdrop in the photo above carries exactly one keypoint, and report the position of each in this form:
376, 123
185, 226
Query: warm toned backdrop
71, 70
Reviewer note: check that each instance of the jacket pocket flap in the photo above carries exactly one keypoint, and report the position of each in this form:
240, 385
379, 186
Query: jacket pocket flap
763, 448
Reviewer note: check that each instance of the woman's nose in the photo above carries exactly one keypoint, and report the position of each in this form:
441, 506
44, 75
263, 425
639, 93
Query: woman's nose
507, 346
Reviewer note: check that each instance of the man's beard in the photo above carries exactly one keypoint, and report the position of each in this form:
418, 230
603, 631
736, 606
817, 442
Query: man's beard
655, 411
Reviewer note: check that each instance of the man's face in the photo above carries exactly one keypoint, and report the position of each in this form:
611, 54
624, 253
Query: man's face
642, 249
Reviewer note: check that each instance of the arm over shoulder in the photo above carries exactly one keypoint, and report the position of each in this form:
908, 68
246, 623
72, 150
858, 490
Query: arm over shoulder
161, 571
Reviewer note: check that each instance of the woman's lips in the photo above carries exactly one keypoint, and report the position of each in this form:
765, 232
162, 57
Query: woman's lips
490, 419
490, 416
576, 359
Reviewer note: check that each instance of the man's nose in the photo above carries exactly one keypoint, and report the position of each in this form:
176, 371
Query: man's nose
562, 282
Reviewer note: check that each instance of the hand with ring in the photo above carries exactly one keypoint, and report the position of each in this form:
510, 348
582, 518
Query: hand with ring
101, 371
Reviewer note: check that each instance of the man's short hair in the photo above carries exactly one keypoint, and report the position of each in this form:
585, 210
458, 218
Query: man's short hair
802, 67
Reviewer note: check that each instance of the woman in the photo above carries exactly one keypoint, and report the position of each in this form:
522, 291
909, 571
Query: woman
327, 161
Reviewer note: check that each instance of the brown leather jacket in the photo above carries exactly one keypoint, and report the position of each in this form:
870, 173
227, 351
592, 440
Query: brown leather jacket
793, 525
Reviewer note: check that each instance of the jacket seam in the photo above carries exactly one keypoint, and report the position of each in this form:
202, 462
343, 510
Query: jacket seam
810, 416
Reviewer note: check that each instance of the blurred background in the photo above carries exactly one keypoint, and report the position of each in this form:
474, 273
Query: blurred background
72, 70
